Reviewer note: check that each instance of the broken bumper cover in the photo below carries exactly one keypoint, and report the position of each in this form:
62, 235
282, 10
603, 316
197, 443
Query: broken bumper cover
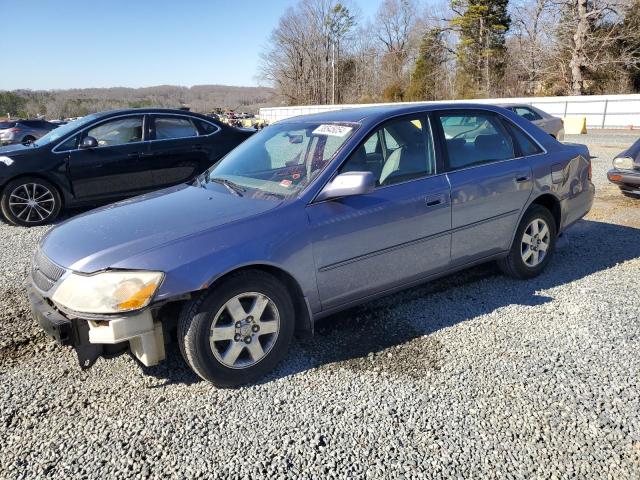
95, 338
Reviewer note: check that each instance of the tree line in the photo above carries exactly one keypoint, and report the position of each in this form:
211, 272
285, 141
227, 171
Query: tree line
325, 51
54, 104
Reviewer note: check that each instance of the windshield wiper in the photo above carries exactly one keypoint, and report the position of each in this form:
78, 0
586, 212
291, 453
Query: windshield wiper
231, 186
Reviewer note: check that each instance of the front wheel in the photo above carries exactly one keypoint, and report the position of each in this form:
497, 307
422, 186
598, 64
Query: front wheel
238, 331
30, 202
533, 244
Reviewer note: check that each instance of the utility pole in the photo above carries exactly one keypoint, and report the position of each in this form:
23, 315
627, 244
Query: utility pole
333, 72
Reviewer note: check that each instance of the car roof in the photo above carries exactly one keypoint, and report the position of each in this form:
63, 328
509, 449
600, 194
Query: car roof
125, 111
511, 105
381, 112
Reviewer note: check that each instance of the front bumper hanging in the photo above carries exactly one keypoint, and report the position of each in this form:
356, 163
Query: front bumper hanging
93, 339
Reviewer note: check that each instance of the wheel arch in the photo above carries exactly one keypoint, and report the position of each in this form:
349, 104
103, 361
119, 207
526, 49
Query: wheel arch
551, 203
52, 181
302, 310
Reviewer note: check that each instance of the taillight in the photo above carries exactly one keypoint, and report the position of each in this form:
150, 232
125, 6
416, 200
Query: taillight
14, 129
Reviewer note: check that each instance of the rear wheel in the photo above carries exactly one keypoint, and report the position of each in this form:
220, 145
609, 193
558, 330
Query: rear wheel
238, 331
533, 245
30, 202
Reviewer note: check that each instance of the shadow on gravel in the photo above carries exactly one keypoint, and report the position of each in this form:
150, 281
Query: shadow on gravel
392, 334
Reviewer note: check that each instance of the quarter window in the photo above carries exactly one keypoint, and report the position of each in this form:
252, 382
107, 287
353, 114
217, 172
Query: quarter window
406, 153
174, 127
525, 144
475, 138
118, 132
206, 128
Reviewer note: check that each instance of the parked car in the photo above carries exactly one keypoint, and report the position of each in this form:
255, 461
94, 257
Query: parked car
108, 156
23, 131
554, 126
308, 217
626, 171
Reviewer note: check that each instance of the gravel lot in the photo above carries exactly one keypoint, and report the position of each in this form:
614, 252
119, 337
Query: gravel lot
474, 375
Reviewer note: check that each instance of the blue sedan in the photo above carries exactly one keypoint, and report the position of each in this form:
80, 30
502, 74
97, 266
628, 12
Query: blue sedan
311, 216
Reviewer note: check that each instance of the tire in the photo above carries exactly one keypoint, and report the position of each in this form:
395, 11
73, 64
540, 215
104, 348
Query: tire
231, 360
527, 245
628, 194
28, 139
41, 199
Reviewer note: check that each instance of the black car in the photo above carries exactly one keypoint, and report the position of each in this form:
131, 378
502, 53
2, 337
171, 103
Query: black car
108, 156
626, 171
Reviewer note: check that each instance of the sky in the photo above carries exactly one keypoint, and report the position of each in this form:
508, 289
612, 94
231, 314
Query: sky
80, 44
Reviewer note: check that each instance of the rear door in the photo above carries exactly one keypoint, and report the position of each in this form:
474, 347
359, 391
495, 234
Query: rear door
178, 151
114, 168
490, 182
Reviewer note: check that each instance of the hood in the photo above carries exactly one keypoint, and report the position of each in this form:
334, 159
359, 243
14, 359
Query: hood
16, 149
101, 238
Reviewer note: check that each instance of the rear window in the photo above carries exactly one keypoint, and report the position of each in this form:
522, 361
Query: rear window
4, 125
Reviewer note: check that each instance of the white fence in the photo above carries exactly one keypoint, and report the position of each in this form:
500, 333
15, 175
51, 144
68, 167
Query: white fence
601, 111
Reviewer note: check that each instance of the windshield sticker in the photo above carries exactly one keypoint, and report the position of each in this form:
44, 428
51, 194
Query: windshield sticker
286, 183
332, 130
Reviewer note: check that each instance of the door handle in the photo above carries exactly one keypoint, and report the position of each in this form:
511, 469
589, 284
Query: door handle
521, 179
133, 155
432, 202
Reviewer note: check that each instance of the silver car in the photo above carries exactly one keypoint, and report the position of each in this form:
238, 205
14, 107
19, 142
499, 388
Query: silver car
24, 131
554, 126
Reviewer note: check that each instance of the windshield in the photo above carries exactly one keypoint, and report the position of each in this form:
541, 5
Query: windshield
61, 131
282, 159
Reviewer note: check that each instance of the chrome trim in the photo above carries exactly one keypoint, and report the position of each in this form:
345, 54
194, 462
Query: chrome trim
125, 115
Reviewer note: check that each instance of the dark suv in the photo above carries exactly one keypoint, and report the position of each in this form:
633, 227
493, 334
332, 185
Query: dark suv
108, 156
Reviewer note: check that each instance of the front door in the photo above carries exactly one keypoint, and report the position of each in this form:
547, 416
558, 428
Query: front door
490, 179
114, 168
369, 243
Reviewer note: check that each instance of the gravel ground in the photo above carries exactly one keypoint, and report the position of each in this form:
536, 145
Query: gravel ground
474, 375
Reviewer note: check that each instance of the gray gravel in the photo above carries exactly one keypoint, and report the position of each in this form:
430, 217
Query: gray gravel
474, 375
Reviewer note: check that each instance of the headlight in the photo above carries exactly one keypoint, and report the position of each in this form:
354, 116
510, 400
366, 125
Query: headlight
623, 163
108, 292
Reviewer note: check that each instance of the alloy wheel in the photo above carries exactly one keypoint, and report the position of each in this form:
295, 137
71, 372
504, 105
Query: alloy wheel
244, 330
31, 202
535, 242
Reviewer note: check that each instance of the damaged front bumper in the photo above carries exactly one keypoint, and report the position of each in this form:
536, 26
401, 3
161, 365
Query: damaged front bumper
104, 336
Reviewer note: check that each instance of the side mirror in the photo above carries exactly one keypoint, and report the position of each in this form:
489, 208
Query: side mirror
348, 184
88, 142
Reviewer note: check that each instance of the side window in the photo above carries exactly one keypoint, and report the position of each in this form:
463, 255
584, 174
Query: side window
481, 139
117, 132
527, 113
407, 154
525, 144
174, 127
69, 144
